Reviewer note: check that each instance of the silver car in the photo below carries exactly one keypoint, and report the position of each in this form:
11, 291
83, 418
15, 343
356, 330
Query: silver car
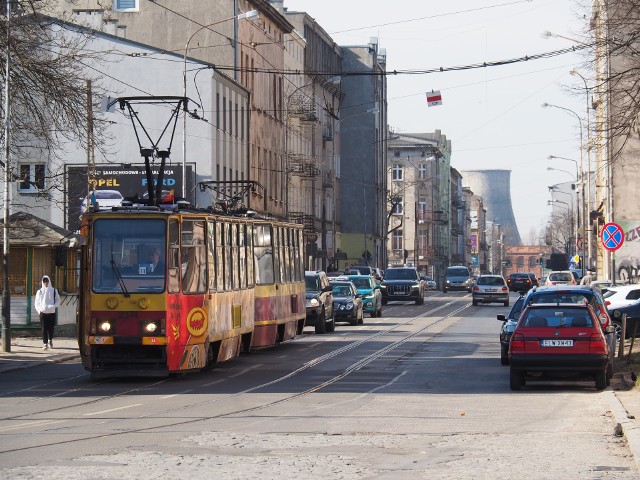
490, 288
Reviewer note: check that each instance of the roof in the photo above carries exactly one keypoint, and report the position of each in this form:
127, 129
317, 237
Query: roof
26, 230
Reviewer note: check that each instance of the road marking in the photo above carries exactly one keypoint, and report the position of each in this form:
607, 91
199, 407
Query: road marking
111, 410
213, 383
30, 424
176, 394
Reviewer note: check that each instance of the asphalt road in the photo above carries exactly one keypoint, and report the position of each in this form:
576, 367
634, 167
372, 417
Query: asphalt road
419, 393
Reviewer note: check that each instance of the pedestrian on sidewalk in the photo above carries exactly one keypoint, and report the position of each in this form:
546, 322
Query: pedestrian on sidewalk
47, 300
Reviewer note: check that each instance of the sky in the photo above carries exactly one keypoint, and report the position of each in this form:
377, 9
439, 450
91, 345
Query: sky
493, 116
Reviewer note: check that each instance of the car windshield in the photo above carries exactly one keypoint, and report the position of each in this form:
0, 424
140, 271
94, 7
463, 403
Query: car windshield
312, 283
361, 282
557, 317
400, 274
108, 195
342, 291
457, 272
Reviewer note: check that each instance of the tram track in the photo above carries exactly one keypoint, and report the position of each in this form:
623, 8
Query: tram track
306, 366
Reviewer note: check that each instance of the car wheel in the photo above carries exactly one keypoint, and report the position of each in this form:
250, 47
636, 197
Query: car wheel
474, 302
618, 330
515, 379
601, 380
331, 326
444, 290
504, 360
609, 375
321, 326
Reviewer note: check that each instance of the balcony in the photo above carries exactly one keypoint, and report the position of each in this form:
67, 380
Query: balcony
302, 166
301, 218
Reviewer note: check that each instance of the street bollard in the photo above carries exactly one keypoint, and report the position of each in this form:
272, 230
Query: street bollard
622, 336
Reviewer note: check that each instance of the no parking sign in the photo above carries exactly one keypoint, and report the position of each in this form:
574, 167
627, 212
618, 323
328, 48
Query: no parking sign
612, 236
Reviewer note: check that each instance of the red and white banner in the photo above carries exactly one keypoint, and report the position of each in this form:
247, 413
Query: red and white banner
434, 98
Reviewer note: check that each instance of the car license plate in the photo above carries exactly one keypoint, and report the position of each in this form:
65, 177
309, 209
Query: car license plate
556, 343
492, 290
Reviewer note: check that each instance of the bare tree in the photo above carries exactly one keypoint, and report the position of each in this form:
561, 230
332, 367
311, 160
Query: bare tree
559, 233
613, 37
47, 81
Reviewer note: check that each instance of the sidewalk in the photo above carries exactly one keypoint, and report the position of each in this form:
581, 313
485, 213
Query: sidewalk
27, 352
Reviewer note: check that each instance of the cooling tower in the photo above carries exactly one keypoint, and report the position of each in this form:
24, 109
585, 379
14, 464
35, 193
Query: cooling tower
494, 186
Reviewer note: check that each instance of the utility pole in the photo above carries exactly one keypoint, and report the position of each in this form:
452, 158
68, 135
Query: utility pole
6, 298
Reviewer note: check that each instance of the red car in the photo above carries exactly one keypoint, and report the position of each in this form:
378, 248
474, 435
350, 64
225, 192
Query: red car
559, 340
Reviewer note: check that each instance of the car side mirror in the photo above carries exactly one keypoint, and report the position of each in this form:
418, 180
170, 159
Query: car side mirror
610, 329
501, 317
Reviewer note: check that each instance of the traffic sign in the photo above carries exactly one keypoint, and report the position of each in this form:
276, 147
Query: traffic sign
612, 236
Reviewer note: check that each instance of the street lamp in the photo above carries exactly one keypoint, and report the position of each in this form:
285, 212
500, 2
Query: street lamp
583, 209
561, 170
588, 205
250, 15
552, 157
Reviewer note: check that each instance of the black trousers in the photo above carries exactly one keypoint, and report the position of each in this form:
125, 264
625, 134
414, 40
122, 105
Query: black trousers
48, 322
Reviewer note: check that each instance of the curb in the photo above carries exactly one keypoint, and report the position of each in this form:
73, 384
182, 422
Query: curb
625, 427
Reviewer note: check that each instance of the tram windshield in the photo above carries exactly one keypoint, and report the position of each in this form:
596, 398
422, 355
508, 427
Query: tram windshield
129, 255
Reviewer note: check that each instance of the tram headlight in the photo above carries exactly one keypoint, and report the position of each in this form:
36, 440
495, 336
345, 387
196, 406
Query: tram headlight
151, 327
105, 326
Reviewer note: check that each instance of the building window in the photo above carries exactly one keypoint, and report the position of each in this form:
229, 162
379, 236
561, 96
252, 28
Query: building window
125, 6
397, 240
422, 171
398, 207
396, 172
31, 177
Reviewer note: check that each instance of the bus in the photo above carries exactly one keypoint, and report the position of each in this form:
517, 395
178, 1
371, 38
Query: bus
166, 289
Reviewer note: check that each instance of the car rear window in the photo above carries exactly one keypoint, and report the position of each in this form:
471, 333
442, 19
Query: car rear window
557, 317
561, 277
490, 281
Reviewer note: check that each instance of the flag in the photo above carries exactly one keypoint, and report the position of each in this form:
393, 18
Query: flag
434, 98
169, 197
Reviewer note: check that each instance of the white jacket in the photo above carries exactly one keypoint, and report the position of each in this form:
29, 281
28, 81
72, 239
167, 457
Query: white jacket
47, 298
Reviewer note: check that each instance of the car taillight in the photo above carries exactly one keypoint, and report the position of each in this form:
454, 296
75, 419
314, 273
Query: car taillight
475, 288
517, 343
597, 344
504, 288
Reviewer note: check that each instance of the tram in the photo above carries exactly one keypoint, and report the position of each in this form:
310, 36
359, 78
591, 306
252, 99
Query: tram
223, 284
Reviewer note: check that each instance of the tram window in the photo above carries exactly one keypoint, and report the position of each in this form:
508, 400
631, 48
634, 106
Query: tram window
242, 254
174, 256
249, 250
235, 257
194, 260
211, 255
277, 254
226, 247
287, 254
263, 255
219, 253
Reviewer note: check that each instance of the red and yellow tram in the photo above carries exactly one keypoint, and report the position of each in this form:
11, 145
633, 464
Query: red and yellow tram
223, 284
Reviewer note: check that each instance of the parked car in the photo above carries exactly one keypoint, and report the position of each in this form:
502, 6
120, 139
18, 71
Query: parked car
621, 296
490, 288
521, 281
457, 278
105, 199
402, 283
563, 277
509, 323
571, 294
552, 340
319, 295
371, 294
430, 283
347, 302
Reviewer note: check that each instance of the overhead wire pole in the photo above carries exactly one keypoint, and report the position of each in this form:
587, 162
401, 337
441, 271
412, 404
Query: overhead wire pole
6, 298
